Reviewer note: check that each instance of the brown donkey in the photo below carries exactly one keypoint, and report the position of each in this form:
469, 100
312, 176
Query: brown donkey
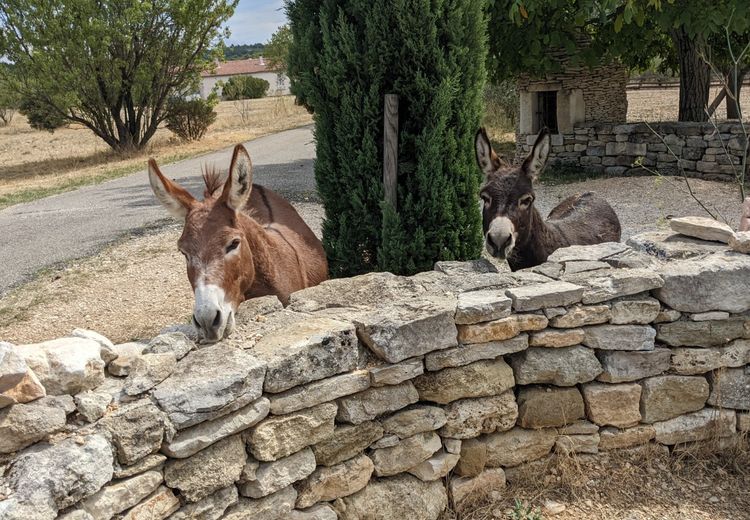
240, 242
515, 230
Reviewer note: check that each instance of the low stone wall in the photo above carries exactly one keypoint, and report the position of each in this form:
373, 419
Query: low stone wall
614, 148
356, 400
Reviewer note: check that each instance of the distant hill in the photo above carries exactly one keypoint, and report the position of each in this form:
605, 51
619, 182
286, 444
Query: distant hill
240, 52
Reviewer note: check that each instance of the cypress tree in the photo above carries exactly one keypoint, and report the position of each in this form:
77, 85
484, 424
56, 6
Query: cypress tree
346, 55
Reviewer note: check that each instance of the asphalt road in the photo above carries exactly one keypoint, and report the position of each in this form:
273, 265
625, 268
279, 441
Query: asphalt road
57, 229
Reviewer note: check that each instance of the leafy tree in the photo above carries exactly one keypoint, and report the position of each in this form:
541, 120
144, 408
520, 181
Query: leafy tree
9, 98
243, 51
110, 65
345, 56
277, 48
634, 31
244, 87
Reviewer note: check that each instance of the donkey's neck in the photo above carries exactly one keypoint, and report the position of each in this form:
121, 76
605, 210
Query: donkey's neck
265, 279
535, 244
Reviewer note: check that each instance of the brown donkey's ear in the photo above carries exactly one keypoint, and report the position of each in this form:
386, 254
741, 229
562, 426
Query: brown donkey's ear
489, 162
174, 197
239, 184
537, 158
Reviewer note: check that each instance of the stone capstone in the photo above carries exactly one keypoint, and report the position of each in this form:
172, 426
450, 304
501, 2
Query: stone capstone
208, 383
480, 379
125, 354
280, 436
566, 366
410, 329
175, 342
541, 407
332, 482
601, 286
108, 353
539, 296
191, 440
147, 371
613, 404
703, 228
719, 282
13, 368
65, 365
311, 349
668, 245
666, 397
740, 242
479, 306
468, 418
367, 405
28, 389
207, 471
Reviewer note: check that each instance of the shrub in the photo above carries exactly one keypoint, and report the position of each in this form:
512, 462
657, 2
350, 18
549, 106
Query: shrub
40, 115
190, 118
343, 60
244, 87
501, 105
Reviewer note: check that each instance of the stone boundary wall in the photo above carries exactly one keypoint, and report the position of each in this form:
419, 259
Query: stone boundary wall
360, 397
613, 149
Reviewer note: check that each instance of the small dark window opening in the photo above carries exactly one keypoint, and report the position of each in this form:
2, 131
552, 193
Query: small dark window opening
546, 114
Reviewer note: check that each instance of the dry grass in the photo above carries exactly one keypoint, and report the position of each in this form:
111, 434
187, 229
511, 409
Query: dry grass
706, 481
36, 163
663, 104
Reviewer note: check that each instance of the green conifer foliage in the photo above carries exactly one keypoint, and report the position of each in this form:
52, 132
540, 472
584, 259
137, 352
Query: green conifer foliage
346, 55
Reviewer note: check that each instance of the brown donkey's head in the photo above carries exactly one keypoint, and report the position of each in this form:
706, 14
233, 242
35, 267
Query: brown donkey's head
508, 193
214, 242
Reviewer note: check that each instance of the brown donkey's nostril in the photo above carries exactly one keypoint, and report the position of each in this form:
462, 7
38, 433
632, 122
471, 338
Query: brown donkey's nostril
217, 319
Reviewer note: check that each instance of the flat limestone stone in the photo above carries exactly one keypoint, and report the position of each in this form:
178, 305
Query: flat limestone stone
703, 228
581, 315
668, 245
730, 388
415, 420
553, 338
620, 337
668, 396
467, 354
394, 374
697, 426
367, 405
210, 508
406, 454
692, 361
436, 467
539, 296
208, 383
330, 483
611, 438
543, 407
480, 379
273, 507
346, 442
319, 392
479, 306
601, 286
711, 333
565, 366
502, 329
620, 366
399, 497
468, 418
191, 440
613, 404
119, 496
280, 436
271, 477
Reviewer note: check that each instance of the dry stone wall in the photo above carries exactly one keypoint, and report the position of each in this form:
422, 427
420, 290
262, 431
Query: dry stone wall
359, 398
700, 149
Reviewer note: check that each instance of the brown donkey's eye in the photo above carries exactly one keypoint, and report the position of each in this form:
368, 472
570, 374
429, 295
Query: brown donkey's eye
234, 245
526, 201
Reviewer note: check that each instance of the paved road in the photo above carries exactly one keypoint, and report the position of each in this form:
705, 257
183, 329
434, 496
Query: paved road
79, 223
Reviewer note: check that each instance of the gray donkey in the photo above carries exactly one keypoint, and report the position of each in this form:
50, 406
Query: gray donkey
515, 230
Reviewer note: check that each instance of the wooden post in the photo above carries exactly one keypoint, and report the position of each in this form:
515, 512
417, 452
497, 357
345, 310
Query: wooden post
390, 148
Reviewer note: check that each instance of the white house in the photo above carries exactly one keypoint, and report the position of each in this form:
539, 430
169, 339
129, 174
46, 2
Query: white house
256, 67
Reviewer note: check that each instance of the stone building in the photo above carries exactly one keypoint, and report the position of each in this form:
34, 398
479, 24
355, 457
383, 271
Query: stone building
257, 67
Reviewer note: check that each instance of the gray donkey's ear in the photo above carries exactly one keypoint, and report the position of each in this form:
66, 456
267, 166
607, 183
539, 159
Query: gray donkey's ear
489, 162
534, 163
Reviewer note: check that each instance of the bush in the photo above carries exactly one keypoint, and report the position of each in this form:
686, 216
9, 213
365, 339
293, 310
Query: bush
190, 118
40, 116
343, 60
244, 87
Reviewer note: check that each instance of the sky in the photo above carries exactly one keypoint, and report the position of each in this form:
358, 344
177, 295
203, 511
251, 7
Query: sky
255, 21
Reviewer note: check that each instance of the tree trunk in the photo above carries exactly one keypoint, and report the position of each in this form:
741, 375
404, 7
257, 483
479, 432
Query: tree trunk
733, 99
695, 77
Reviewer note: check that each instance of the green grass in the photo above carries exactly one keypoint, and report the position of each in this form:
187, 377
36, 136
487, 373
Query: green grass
31, 194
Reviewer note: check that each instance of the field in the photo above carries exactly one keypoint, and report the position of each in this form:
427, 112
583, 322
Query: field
36, 163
